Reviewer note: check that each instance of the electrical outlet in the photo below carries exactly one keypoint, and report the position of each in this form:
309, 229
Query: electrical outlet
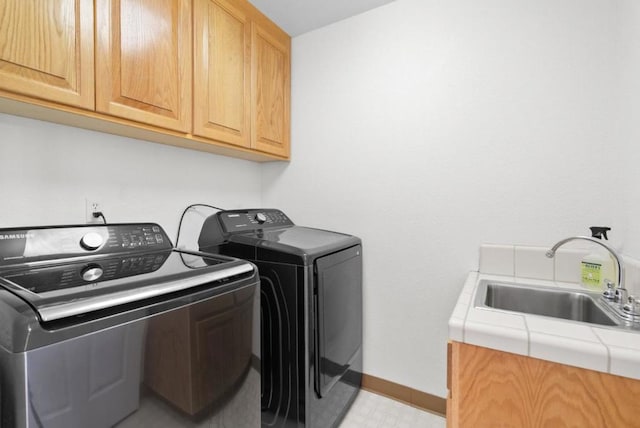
93, 206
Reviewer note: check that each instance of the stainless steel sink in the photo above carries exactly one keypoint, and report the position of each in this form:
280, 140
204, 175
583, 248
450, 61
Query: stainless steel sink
550, 302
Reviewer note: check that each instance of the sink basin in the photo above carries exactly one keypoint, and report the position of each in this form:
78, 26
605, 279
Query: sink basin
550, 302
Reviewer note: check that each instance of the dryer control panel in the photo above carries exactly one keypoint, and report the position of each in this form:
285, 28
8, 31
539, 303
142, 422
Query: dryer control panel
252, 219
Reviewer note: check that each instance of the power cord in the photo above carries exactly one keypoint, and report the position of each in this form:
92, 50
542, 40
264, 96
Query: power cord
185, 212
98, 214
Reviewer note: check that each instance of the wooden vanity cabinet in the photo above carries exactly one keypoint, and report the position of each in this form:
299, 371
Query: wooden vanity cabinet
242, 77
46, 50
489, 388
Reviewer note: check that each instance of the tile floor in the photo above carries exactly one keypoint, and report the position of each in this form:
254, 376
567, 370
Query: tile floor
372, 410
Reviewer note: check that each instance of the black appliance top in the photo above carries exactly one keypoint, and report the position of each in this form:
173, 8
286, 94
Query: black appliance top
67, 271
269, 235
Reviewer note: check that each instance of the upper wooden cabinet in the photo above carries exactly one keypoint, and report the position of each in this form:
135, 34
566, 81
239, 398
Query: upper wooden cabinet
143, 63
211, 75
271, 86
241, 77
46, 50
222, 72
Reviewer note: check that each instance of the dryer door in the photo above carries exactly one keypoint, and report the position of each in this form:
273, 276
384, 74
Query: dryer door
338, 306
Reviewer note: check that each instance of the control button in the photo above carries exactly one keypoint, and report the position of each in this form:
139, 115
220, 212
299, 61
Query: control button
156, 229
91, 241
261, 218
92, 273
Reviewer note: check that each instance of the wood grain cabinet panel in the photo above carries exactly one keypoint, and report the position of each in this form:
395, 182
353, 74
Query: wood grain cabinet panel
223, 87
490, 388
46, 50
222, 72
242, 77
143, 64
270, 91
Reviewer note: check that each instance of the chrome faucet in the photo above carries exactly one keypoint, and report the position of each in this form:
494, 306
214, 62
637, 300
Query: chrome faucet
620, 294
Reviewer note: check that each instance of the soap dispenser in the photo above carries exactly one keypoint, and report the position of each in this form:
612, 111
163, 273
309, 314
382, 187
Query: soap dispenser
596, 268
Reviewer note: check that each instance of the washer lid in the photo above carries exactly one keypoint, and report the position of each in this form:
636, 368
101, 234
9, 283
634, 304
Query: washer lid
62, 290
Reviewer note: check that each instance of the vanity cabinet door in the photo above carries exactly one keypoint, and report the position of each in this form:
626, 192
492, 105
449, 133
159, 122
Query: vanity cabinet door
489, 388
46, 50
143, 63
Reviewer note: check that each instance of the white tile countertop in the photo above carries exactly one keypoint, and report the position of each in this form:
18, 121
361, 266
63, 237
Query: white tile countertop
567, 342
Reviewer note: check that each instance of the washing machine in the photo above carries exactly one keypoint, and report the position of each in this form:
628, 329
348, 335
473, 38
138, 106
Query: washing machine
311, 312
109, 325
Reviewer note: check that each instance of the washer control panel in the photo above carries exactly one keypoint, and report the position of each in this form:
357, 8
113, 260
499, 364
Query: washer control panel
38, 243
144, 236
62, 276
245, 220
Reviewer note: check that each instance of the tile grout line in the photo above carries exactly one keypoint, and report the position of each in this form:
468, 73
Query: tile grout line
466, 314
526, 326
605, 347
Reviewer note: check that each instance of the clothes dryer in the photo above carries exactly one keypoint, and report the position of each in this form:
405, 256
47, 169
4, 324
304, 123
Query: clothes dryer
311, 312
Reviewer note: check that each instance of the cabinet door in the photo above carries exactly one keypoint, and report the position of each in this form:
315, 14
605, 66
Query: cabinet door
46, 50
143, 63
222, 72
490, 388
270, 91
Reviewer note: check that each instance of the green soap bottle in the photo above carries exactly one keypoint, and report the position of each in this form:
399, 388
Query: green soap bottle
597, 267
591, 270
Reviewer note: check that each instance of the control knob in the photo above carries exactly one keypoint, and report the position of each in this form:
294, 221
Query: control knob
91, 241
91, 273
261, 217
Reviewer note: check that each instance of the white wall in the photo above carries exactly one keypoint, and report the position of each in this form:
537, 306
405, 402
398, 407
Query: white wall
47, 171
428, 127
627, 126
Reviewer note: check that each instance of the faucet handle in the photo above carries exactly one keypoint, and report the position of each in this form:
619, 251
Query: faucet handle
621, 294
632, 307
610, 292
